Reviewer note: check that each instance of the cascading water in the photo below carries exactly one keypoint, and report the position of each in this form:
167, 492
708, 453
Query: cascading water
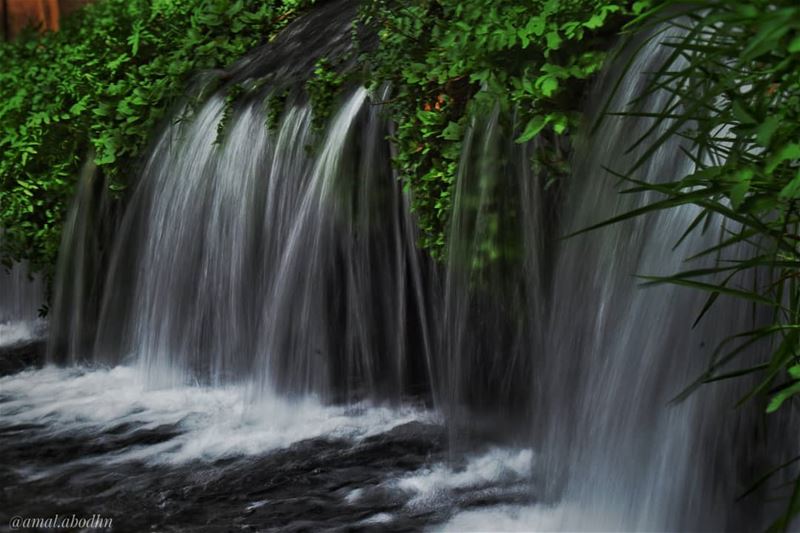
283, 251
20, 301
493, 301
78, 282
342, 269
263, 293
617, 354
611, 454
266, 244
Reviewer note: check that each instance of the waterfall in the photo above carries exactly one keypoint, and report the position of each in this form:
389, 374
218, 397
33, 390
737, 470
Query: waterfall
21, 297
565, 326
278, 255
617, 353
257, 249
82, 259
493, 289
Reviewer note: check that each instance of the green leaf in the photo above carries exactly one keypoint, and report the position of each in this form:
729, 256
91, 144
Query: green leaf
739, 191
792, 189
553, 40
115, 64
595, 22
548, 85
768, 36
767, 129
135, 38
787, 152
452, 132
536, 26
741, 114
786, 393
559, 123
534, 126
79, 106
794, 46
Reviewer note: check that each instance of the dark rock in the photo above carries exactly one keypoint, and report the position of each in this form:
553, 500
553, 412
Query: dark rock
18, 357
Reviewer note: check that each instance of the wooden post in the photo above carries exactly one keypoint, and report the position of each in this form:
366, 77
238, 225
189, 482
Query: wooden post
52, 14
3, 21
19, 14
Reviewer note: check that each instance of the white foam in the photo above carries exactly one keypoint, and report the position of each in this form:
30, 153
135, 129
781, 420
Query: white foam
256, 505
214, 422
495, 471
562, 516
535, 518
377, 519
506, 518
498, 465
13, 333
354, 495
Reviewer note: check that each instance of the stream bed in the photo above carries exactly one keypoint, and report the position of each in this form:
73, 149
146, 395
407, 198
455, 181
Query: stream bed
88, 441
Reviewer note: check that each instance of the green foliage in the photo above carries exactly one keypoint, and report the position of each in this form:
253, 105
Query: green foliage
322, 89
734, 78
448, 58
274, 106
103, 83
786, 391
233, 92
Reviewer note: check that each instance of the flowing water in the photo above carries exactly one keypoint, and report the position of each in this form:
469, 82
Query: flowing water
22, 297
257, 343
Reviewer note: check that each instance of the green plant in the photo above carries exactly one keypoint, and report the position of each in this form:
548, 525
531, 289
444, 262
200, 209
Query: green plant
104, 82
447, 59
734, 80
232, 93
322, 89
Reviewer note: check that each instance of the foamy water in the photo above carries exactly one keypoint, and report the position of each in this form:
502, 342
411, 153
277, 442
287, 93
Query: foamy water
14, 333
533, 518
212, 423
196, 426
497, 473
490, 470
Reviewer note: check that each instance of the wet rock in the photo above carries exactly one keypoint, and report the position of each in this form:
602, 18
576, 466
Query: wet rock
18, 357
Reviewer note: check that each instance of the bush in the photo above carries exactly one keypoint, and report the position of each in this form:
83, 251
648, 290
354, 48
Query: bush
100, 86
734, 75
448, 58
